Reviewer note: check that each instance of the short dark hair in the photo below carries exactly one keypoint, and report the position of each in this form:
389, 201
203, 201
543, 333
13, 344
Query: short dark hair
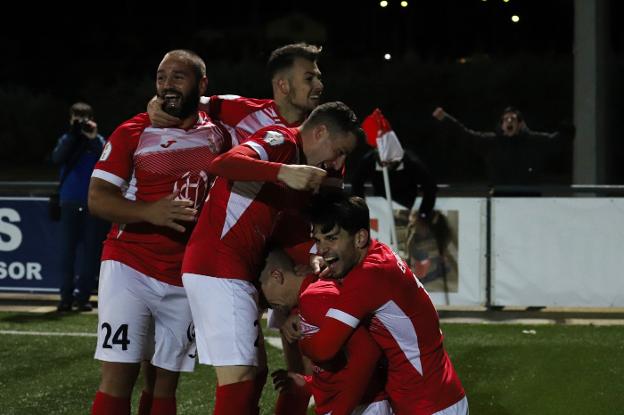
284, 57
330, 209
336, 116
513, 110
196, 62
81, 109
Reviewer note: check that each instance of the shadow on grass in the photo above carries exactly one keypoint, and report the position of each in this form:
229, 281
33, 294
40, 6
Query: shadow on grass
35, 317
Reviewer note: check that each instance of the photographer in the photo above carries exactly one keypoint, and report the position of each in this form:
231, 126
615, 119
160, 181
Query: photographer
76, 152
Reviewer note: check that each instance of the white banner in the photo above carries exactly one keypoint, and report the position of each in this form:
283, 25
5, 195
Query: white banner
448, 258
558, 252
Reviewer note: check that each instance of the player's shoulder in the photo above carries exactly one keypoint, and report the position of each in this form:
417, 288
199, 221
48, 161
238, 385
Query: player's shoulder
133, 126
276, 135
252, 103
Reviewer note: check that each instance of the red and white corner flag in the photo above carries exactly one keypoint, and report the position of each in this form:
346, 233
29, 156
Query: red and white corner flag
379, 134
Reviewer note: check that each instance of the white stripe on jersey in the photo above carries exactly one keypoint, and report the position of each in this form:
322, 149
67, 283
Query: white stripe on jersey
130, 191
400, 326
258, 149
241, 196
341, 316
109, 177
258, 119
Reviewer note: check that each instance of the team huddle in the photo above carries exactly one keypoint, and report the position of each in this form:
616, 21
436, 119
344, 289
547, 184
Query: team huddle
223, 206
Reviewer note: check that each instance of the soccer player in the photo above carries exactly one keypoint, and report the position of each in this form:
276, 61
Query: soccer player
340, 386
379, 290
258, 181
297, 89
151, 182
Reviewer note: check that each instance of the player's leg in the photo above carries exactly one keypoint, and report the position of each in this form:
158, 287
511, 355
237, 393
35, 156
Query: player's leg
225, 313
123, 329
174, 345
147, 394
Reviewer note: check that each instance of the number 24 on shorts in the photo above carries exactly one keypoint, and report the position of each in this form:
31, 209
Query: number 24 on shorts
119, 338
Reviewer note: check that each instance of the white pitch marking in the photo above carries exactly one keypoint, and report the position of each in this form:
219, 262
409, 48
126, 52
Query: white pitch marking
47, 333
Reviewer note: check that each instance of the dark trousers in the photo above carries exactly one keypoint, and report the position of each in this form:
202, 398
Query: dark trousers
81, 248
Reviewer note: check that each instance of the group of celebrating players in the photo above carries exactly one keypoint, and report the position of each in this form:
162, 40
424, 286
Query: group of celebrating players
225, 205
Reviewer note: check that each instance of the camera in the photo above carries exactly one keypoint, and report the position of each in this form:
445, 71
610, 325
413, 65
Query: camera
82, 126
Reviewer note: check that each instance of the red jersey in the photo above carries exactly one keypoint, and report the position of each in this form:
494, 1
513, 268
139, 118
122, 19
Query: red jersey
239, 217
150, 163
244, 116
403, 322
340, 391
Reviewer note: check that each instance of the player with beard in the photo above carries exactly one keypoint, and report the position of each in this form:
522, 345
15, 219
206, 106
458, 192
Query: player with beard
151, 183
297, 89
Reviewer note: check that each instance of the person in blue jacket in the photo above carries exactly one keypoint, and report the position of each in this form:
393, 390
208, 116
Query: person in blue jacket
81, 234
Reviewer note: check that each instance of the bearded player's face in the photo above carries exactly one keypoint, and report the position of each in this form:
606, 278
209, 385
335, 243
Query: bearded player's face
177, 85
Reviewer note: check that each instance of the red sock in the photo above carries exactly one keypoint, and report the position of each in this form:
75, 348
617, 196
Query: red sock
293, 402
164, 406
259, 383
236, 399
145, 403
105, 404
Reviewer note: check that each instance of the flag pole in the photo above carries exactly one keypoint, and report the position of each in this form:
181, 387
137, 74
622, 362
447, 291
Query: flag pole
386, 177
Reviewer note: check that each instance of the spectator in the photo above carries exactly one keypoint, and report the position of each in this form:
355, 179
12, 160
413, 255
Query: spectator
76, 152
516, 155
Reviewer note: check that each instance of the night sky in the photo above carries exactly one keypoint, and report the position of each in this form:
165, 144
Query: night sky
43, 51
107, 52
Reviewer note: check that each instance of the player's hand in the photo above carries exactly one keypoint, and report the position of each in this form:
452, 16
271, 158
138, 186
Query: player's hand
283, 380
300, 177
158, 117
290, 328
168, 211
439, 113
317, 263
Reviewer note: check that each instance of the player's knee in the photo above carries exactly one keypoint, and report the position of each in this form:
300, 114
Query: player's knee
118, 378
233, 374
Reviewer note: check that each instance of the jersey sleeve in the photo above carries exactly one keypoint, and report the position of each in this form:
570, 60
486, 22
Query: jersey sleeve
357, 299
117, 160
231, 109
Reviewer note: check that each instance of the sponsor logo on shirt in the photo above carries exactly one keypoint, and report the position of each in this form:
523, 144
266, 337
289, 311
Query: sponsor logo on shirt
168, 143
273, 138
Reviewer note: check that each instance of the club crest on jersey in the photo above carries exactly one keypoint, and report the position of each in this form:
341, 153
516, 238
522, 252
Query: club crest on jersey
273, 138
106, 151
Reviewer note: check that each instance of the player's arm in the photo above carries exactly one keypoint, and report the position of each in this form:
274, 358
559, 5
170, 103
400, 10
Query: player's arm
328, 341
363, 355
243, 163
107, 202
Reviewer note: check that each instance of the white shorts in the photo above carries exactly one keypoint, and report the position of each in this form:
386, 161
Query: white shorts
458, 408
225, 312
140, 318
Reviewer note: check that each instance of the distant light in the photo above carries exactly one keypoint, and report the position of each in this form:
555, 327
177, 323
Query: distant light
383, 3
462, 60
505, 1
483, 0
515, 18
387, 56
403, 3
